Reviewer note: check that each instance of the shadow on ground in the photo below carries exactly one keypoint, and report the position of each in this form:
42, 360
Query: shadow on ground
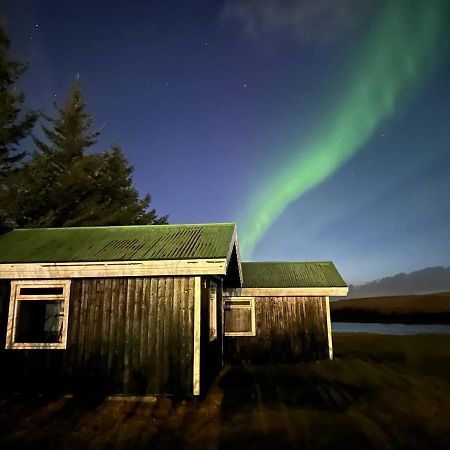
292, 387
389, 393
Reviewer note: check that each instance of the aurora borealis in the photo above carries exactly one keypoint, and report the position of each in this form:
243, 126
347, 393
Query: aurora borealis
392, 64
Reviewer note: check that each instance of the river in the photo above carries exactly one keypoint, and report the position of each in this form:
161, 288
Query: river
399, 329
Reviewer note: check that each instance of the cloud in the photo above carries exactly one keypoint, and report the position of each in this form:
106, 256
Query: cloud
306, 20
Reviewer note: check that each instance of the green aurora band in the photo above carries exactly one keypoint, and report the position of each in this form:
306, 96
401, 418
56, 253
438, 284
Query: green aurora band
397, 57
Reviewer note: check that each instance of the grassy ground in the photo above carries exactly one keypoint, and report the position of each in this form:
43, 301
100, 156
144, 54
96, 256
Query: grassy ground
429, 308
389, 392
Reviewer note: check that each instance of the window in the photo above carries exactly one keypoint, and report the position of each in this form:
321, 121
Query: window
240, 316
212, 311
38, 313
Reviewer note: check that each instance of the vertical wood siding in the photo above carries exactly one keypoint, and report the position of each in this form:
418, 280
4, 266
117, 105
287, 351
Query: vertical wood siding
125, 336
288, 329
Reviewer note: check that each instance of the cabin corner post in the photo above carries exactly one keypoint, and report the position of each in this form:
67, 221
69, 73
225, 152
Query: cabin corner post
330, 337
197, 336
10, 326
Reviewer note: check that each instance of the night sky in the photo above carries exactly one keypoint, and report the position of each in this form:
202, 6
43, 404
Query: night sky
322, 128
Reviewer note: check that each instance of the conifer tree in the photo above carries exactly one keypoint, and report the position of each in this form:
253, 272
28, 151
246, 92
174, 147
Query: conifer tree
14, 126
62, 185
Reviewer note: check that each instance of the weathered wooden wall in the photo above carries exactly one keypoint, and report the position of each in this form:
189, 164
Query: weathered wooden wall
125, 336
288, 329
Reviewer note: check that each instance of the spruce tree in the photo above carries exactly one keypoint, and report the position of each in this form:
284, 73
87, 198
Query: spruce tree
62, 185
14, 126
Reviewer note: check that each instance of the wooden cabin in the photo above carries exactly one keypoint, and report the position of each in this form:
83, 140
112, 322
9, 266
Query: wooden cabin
140, 310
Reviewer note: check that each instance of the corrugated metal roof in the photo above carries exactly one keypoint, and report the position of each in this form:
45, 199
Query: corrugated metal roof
291, 274
118, 243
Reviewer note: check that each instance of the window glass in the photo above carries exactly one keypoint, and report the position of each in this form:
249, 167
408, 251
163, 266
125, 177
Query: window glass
238, 320
41, 290
240, 316
39, 321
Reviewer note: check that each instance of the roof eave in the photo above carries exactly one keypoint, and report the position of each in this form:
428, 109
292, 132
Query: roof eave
289, 292
89, 269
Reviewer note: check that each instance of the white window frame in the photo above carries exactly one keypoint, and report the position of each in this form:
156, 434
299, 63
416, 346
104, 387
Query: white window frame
212, 311
231, 303
16, 297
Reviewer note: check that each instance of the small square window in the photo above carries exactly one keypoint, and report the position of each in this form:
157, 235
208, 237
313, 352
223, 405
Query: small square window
38, 314
240, 316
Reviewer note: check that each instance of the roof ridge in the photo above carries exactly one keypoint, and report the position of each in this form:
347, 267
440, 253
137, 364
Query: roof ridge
127, 226
287, 262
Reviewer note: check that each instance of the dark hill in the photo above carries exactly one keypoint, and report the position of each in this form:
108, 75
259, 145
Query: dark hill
430, 279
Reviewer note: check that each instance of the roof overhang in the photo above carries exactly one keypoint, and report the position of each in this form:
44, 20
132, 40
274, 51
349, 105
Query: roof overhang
289, 292
234, 245
182, 267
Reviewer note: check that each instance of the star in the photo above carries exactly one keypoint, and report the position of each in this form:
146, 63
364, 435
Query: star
244, 85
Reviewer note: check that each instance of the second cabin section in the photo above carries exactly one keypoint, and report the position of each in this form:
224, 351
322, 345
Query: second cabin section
281, 314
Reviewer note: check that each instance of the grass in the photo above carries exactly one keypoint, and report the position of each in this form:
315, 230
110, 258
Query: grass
390, 392
427, 308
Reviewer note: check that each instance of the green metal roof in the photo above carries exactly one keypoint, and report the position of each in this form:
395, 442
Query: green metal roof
117, 243
291, 275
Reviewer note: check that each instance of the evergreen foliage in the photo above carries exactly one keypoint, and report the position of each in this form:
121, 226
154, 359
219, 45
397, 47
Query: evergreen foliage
62, 185
14, 126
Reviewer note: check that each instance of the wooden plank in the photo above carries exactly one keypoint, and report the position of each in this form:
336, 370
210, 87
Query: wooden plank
12, 310
96, 335
93, 306
73, 326
5, 292
168, 328
217, 266
121, 336
131, 286
329, 334
197, 335
145, 311
176, 358
186, 332
83, 320
105, 324
135, 365
113, 327
190, 305
160, 350
152, 333
287, 292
